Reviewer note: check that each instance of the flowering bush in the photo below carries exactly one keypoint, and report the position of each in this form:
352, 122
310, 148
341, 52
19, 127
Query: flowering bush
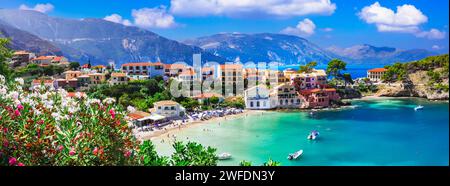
43, 126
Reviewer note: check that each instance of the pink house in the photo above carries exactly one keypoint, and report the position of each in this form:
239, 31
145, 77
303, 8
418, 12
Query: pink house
318, 98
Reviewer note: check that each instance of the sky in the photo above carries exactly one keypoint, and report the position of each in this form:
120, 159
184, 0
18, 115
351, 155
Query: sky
404, 24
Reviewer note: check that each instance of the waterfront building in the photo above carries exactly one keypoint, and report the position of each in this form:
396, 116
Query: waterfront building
259, 98
287, 96
376, 74
168, 108
315, 79
318, 98
139, 118
232, 78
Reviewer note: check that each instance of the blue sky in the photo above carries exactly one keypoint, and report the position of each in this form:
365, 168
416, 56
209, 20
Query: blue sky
404, 24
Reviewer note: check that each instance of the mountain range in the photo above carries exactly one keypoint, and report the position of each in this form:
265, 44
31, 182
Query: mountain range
22, 40
101, 41
264, 47
368, 54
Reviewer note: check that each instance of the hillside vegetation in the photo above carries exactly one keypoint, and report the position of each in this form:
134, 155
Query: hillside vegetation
426, 78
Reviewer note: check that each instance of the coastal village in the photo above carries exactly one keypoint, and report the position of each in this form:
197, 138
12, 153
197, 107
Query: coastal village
271, 89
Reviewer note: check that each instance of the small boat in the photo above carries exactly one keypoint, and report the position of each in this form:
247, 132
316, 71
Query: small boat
224, 156
295, 155
419, 107
313, 135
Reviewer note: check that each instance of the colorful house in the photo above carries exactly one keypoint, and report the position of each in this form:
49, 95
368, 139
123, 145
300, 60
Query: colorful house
318, 98
376, 74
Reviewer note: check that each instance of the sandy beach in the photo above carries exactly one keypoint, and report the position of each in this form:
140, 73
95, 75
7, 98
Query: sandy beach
177, 126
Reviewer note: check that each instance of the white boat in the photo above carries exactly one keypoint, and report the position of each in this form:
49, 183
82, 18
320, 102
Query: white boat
313, 135
224, 156
420, 107
295, 155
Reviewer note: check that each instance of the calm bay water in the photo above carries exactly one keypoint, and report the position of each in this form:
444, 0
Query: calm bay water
373, 132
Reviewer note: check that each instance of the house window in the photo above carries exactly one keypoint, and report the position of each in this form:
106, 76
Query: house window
257, 103
251, 103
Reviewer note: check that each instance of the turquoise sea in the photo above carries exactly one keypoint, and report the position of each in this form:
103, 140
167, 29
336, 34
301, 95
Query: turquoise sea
385, 132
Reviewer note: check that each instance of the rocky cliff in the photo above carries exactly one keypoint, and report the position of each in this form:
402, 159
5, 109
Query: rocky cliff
416, 85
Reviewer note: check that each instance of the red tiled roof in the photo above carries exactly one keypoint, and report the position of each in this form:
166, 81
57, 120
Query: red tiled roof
230, 66
118, 74
174, 66
43, 58
138, 115
310, 91
377, 70
58, 58
137, 64
207, 95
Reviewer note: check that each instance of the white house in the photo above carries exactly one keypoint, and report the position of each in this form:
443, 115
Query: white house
167, 108
259, 98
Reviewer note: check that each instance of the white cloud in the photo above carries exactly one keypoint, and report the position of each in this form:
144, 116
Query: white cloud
406, 19
44, 8
153, 18
327, 29
304, 28
146, 18
435, 47
240, 8
432, 34
116, 18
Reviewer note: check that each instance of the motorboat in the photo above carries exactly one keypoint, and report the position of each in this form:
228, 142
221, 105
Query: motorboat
419, 107
295, 155
313, 135
224, 156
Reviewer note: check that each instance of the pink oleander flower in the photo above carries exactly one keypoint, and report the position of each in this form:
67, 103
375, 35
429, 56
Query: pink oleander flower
113, 114
19, 107
60, 148
12, 161
17, 113
127, 154
95, 151
72, 151
20, 164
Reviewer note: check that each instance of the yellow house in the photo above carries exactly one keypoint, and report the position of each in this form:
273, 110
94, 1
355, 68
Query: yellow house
72, 74
97, 78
